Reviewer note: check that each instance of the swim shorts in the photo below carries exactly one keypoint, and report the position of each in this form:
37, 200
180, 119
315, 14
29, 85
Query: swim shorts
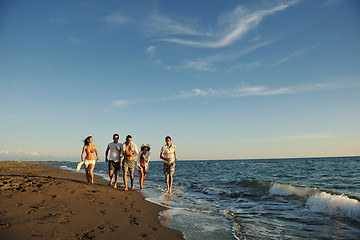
128, 165
169, 168
114, 165
87, 162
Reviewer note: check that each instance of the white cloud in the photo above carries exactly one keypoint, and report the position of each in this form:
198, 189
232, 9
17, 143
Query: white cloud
235, 92
293, 55
151, 49
161, 25
4, 152
236, 24
244, 67
206, 64
311, 136
26, 153
121, 103
74, 40
246, 91
118, 19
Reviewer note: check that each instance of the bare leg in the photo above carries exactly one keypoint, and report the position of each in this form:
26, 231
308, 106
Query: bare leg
87, 173
116, 180
125, 180
132, 179
140, 180
171, 182
111, 173
92, 166
167, 181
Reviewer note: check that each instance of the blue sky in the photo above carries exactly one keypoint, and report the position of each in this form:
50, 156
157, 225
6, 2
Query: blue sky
226, 79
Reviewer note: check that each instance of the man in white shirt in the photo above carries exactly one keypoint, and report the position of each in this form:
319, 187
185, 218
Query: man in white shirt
115, 157
168, 154
130, 150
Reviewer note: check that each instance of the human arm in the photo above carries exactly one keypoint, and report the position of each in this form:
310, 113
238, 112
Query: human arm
97, 155
162, 156
106, 153
82, 154
145, 156
175, 155
135, 151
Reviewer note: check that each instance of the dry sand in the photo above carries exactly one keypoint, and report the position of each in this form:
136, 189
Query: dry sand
43, 202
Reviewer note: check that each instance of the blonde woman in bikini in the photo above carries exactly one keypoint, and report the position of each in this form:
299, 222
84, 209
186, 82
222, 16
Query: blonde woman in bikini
89, 159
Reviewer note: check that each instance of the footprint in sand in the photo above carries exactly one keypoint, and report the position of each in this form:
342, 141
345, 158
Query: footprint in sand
102, 212
133, 220
4, 225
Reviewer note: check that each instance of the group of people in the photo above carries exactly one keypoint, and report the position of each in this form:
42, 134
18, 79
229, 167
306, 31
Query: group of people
122, 155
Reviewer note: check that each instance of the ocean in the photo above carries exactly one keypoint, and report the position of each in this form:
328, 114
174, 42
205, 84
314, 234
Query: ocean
308, 198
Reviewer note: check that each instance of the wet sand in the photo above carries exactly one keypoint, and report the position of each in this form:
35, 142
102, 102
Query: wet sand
39, 202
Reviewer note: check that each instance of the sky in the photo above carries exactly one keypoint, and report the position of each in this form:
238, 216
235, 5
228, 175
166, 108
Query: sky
235, 79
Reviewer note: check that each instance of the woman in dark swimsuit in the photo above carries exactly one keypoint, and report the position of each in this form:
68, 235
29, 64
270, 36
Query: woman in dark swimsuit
142, 163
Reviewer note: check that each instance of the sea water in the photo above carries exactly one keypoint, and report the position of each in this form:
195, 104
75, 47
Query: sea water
311, 198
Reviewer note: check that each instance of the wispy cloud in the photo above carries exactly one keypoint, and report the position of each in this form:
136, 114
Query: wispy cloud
162, 25
236, 24
310, 136
246, 91
74, 40
121, 103
27, 153
118, 19
19, 153
293, 55
151, 50
249, 91
4, 152
207, 63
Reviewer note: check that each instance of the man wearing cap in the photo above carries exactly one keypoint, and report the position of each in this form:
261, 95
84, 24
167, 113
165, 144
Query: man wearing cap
130, 150
168, 154
114, 159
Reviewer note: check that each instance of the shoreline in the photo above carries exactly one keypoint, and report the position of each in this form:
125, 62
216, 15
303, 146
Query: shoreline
38, 201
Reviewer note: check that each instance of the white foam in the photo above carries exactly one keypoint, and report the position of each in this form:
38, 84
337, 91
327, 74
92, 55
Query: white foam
334, 205
288, 190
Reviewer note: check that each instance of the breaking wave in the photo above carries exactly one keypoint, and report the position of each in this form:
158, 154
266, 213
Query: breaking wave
334, 205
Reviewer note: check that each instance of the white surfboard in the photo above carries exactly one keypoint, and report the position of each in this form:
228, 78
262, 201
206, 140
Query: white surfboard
79, 165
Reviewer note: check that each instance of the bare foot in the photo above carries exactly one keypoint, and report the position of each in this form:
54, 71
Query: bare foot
111, 182
115, 186
132, 187
141, 189
125, 189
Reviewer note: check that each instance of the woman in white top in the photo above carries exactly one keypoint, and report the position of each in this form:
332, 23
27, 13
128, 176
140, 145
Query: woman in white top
142, 163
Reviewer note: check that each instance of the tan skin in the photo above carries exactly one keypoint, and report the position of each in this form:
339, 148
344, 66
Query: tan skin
142, 171
111, 172
128, 155
89, 168
168, 177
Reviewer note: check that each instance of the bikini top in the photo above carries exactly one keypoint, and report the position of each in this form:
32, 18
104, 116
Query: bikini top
90, 151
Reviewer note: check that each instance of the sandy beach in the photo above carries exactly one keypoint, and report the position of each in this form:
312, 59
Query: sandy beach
39, 202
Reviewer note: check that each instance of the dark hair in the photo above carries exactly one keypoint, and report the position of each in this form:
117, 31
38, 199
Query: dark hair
142, 148
167, 137
86, 141
115, 135
128, 136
